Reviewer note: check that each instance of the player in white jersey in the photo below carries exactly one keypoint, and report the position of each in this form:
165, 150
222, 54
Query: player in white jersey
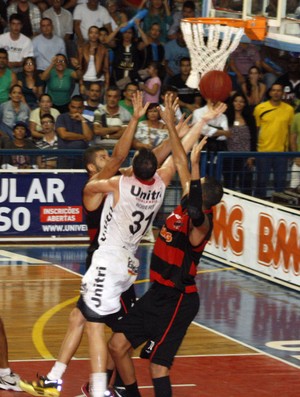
131, 203
114, 266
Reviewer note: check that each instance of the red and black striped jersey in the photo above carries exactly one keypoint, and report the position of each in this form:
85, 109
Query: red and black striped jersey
174, 260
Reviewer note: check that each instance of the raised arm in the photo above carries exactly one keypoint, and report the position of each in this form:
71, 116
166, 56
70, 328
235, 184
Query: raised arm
199, 223
46, 73
123, 145
92, 194
178, 152
168, 167
163, 150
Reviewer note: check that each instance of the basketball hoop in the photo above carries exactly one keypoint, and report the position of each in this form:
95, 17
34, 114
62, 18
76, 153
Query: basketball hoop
223, 37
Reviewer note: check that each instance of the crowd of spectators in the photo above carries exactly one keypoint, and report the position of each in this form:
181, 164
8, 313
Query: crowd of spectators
68, 71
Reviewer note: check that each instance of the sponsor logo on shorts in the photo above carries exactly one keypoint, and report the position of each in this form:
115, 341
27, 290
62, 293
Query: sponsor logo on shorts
99, 286
132, 267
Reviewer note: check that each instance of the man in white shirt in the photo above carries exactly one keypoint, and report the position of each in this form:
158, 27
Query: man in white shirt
61, 18
16, 44
46, 45
87, 15
217, 129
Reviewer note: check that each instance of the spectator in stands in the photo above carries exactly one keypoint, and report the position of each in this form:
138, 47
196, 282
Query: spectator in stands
17, 44
110, 119
151, 46
150, 132
188, 11
30, 16
253, 87
273, 120
217, 132
74, 132
20, 135
46, 45
159, 12
45, 107
151, 87
87, 15
62, 19
126, 102
241, 60
295, 147
126, 60
291, 82
48, 142
29, 80
170, 90
92, 101
13, 110
60, 82
7, 76
175, 50
109, 42
118, 17
189, 98
93, 61
243, 138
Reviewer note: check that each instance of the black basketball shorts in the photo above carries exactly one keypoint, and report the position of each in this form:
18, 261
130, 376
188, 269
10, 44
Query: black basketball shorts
160, 318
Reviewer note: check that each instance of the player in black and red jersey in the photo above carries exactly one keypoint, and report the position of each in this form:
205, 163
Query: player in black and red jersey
161, 317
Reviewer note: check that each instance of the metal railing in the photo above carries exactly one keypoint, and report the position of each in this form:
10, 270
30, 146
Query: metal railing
221, 165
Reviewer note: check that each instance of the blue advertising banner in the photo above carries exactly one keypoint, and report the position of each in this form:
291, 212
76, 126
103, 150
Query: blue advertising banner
42, 204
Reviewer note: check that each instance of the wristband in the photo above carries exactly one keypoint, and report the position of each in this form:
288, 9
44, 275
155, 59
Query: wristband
194, 205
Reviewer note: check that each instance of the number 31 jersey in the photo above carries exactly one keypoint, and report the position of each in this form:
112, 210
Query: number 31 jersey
125, 224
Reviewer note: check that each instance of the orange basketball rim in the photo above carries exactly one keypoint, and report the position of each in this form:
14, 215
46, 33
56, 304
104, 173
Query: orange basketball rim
255, 28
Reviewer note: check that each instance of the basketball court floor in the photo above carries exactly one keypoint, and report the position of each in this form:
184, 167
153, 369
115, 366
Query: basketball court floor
244, 342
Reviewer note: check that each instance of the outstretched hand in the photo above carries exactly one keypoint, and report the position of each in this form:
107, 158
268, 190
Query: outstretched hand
214, 111
168, 113
183, 126
196, 151
139, 110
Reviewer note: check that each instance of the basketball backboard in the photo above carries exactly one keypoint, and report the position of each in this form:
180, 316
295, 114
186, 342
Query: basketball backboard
283, 18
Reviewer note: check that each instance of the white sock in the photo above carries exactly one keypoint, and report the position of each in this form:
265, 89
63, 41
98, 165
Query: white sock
98, 381
5, 371
57, 371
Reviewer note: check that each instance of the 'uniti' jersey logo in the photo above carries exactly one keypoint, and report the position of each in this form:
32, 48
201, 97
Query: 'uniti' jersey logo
151, 195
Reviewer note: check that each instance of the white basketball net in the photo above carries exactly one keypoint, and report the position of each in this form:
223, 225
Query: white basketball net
212, 54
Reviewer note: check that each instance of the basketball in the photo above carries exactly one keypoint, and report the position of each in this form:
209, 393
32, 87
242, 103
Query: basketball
215, 85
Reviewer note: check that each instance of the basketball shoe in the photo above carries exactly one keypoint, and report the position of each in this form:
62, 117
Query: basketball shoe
42, 387
119, 391
116, 391
10, 382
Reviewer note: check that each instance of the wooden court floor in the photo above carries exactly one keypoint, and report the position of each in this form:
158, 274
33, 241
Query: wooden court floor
223, 354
